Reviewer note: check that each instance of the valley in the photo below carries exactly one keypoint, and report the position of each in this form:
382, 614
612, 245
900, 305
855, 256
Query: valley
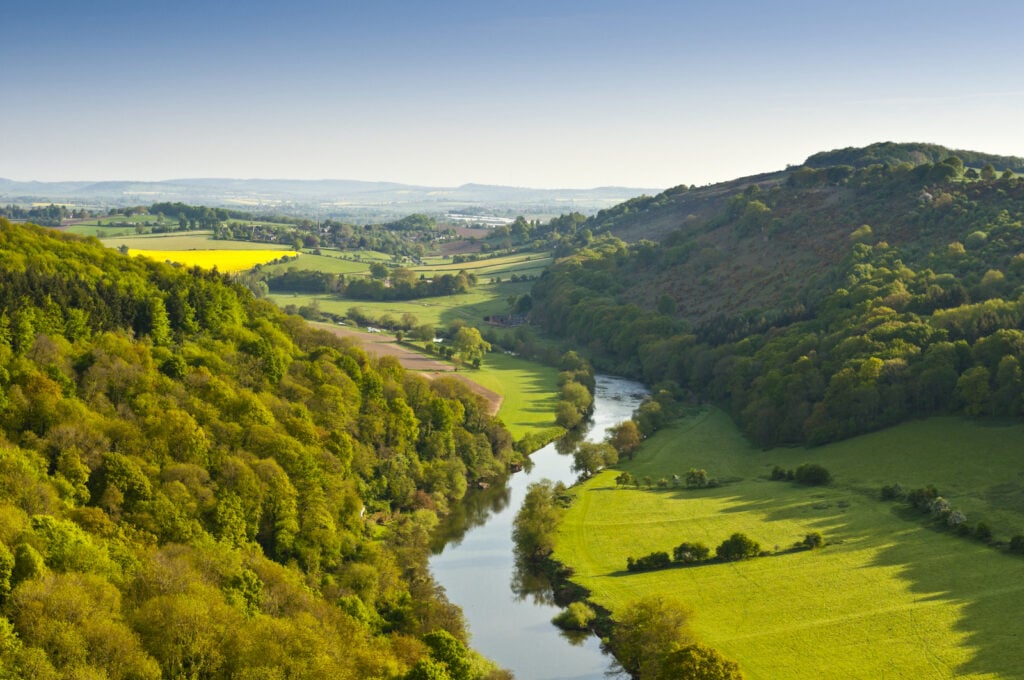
864, 317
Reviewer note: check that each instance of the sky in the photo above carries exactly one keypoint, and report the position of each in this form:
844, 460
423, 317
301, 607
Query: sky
537, 93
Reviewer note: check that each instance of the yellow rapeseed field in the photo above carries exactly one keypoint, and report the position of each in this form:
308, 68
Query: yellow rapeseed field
227, 261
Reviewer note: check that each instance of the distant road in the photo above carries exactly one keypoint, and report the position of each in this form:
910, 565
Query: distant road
379, 344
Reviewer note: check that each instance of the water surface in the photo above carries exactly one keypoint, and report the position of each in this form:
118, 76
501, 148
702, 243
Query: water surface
477, 568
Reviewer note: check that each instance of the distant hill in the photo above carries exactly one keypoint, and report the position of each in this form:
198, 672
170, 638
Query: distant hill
329, 198
892, 153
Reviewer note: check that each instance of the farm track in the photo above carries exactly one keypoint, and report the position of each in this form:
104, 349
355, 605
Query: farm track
385, 345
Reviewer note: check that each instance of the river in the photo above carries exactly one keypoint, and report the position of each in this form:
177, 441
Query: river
477, 568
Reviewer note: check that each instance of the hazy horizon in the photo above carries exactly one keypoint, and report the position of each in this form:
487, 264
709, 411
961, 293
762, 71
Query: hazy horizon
568, 94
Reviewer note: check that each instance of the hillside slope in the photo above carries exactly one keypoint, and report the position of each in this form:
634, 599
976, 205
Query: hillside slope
193, 484
814, 304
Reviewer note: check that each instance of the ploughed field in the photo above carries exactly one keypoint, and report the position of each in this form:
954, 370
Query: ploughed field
892, 595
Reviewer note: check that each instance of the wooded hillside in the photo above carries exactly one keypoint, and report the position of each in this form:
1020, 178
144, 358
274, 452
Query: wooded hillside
816, 304
189, 481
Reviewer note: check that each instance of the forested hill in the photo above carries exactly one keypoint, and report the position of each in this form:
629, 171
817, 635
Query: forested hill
190, 482
816, 303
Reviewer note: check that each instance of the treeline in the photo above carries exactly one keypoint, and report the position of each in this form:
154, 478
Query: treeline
49, 215
927, 323
194, 485
398, 284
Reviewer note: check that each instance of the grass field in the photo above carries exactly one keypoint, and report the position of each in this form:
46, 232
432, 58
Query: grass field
530, 390
889, 597
484, 300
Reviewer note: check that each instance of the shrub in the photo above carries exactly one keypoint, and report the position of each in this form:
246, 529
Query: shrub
983, 532
811, 474
696, 478
690, 553
940, 507
737, 547
1017, 544
778, 474
577, 616
922, 498
656, 560
813, 540
893, 492
956, 518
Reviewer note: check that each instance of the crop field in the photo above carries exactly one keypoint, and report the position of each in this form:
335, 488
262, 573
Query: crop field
888, 597
224, 260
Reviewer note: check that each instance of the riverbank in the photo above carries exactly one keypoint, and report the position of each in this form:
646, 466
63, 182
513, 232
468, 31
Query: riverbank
888, 594
509, 621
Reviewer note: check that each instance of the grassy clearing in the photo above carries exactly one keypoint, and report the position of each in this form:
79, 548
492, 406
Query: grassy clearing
888, 597
224, 260
530, 391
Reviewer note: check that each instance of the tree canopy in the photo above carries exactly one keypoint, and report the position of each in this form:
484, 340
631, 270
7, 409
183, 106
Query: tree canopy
193, 484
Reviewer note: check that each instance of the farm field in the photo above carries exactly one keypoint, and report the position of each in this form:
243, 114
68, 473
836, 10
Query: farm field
484, 300
888, 597
530, 392
190, 240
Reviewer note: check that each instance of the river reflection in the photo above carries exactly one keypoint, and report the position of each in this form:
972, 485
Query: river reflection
508, 611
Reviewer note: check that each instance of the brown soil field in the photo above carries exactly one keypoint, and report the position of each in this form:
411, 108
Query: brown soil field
381, 344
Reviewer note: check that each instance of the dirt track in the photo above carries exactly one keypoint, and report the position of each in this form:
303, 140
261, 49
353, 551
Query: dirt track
380, 344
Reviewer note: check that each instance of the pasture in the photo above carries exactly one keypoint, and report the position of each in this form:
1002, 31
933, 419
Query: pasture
530, 392
889, 596
484, 299
186, 240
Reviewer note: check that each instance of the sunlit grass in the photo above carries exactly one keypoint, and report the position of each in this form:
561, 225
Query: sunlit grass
888, 597
530, 392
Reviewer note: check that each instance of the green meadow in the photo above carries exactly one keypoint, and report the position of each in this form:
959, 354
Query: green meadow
190, 240
888, 597
484, 299
530, 392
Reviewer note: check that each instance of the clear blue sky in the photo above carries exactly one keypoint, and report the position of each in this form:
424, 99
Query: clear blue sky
552, 93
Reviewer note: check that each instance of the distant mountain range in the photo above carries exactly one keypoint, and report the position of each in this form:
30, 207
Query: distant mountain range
328, 197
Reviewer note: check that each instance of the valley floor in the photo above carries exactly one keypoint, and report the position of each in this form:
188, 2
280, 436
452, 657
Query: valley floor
890, 596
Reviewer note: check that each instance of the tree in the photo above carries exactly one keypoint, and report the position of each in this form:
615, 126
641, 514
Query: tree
625, 437
533, 529
469, 345
577, 616
697, 662
590, 457
813, 540
737, 547
973, 387
689, 553
646, 631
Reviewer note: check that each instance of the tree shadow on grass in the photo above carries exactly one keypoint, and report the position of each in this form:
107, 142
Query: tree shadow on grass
984, 582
